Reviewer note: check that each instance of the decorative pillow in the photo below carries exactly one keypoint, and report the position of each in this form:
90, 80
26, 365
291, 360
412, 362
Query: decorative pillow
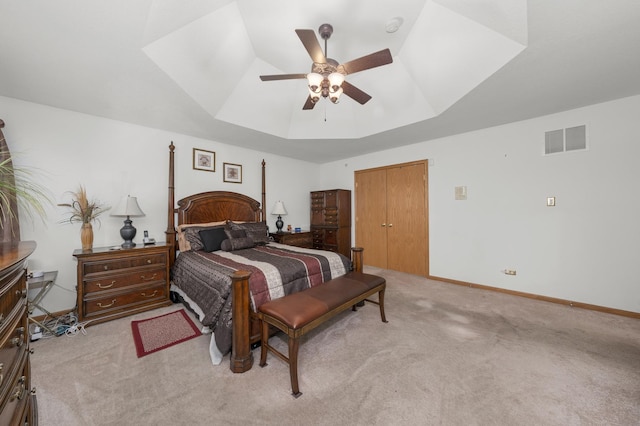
235, 233
256, 230
212, 238
232, 244
189, 237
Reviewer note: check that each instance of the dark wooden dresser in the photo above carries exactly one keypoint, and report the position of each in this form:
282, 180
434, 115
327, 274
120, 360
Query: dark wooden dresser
331, 220
114, 283
17, 399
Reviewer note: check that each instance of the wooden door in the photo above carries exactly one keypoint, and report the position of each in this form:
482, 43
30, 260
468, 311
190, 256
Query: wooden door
371, 216
391, 217
407, 219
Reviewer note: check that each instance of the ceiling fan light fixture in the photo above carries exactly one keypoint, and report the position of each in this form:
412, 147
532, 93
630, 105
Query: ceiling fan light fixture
315, 97
335, 81
335, 96
315, 82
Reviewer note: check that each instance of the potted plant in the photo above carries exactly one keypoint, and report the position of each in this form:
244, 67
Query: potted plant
84, 211
18, 191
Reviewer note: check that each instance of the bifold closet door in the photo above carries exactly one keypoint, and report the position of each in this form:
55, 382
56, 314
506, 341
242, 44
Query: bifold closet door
407, 219
391, 217
371, 216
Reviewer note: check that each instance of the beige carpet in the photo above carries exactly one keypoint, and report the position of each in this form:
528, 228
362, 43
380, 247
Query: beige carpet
449, 355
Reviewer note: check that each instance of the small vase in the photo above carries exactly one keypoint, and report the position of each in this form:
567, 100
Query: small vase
86, 236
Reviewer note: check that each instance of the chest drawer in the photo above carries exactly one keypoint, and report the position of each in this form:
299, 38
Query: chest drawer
101, 303
17, 393
115, 280
110, 265
13, 345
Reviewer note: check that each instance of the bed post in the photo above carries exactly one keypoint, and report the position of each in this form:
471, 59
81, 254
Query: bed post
171, 229
264, 195
241, 355
356, 258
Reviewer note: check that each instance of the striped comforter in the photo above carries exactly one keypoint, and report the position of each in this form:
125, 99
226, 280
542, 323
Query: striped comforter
276, 270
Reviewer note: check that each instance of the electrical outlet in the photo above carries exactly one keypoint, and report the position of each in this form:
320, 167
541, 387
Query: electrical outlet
509, 271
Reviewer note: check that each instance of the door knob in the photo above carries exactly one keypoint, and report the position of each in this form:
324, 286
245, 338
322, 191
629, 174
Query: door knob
383, 225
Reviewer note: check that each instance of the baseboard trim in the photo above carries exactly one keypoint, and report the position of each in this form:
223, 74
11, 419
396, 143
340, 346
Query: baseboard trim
58, 314
571, 303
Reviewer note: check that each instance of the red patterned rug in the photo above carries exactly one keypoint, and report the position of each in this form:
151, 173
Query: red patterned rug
157, 333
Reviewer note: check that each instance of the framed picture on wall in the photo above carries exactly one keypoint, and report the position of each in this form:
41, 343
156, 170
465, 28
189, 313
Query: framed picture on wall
204, 160
232, 172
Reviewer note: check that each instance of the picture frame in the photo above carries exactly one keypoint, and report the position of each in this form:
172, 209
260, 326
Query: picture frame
204, 160
232, 173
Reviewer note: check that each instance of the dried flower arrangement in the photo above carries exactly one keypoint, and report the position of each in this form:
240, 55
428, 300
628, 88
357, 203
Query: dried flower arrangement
82, 209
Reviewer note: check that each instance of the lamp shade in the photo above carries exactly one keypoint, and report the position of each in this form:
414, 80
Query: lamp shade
128, 206
279, 209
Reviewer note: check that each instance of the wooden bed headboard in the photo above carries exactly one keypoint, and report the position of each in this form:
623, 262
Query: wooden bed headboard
217, 206
212, 206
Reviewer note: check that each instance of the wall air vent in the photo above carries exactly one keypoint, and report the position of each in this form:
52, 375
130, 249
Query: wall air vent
562, 140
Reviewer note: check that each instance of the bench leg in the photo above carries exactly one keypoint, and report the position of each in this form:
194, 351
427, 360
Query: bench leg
293, 365
264, 343
381, 303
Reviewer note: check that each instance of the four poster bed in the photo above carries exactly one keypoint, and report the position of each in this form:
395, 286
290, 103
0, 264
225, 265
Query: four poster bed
223, 266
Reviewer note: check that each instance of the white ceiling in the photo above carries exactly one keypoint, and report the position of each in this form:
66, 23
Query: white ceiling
192, 67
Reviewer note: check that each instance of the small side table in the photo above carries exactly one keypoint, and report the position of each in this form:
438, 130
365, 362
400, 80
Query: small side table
43, 284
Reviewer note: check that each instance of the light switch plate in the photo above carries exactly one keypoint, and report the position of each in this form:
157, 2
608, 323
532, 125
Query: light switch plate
551, 201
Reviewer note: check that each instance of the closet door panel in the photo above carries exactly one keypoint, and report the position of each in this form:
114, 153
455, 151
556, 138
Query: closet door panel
406, 219
371, 216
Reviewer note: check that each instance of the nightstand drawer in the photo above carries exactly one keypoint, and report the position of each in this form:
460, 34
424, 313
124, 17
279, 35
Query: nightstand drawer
114, 281
124, 263
117, 301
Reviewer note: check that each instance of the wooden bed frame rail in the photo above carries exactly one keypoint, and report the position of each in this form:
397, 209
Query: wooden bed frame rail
217, 206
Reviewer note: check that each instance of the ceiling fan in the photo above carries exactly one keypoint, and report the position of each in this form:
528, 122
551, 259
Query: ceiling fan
327, 76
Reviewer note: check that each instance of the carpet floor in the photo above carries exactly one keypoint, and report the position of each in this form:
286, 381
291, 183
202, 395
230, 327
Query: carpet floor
450, 355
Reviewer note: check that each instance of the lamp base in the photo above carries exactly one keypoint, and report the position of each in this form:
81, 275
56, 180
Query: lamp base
128, 233
279, 224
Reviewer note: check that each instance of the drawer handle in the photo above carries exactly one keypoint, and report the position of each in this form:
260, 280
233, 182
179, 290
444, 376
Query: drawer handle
16, 341
20, 393
151, 295
113, 302
108, 285
149, 261
106, 267
21, 293
1, 374
144, 278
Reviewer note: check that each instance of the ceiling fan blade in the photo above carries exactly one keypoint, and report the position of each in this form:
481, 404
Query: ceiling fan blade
282, 77
309, 104
373, 60
310, 42
354, 93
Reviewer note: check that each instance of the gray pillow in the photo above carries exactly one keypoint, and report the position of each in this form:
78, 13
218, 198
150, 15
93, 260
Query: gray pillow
232, 244
255, 230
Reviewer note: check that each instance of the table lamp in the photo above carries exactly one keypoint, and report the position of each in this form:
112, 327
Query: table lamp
279, 209
128, 207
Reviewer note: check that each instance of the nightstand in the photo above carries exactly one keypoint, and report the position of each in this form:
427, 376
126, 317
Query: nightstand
298, 239
114, 282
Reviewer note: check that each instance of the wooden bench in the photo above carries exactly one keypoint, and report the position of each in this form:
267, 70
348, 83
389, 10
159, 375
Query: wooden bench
299, 313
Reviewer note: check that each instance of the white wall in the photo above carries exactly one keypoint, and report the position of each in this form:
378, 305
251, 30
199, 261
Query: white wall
585, 249
113, 159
